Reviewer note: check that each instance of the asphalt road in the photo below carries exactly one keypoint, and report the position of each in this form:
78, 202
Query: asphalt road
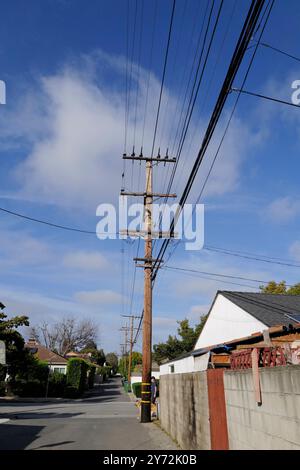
106, 419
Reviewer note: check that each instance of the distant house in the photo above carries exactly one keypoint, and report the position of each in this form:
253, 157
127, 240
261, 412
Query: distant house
136, 375
85, 356
235, 315
55, 361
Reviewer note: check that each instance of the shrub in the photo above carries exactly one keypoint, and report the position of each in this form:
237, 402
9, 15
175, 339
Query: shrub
3, 370
103, 370
71, 392
137, 389
76, 375
91, 377
57, 384
2, 388
28, 388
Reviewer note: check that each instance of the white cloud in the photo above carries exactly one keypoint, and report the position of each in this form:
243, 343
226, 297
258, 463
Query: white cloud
197, 311
86, 260
283, 209
20, 248
294, 250
98, 297
73, 125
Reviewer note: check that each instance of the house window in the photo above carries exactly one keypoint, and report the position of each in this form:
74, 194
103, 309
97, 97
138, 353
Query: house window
172, 369
61, 370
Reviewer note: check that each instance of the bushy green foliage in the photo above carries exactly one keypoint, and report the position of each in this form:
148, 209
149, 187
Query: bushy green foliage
112, 361
2, 388
137, 389
3, 370
29, 388
136, 359
105, 371
57, 384
91, 377
174, 346
76, 375
280, 288
127, 386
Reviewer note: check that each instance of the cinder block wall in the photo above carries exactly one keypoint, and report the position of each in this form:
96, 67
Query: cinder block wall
273, 425
184, 410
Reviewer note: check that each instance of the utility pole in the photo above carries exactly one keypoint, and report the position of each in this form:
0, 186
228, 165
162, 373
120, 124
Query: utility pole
125, 344
132, 318
148, 261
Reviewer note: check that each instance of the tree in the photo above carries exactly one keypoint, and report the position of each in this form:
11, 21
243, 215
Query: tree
136, 359
16, 355
274, 288
280, 288
112, 360
97, 355
174, 347
67, 335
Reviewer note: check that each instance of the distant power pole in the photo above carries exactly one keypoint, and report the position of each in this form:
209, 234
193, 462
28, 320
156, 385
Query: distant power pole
148, 261
131, 342
124, 345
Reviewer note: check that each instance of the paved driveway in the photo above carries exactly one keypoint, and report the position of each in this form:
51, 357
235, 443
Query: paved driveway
106, 419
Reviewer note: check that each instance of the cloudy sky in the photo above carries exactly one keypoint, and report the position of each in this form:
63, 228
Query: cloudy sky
65, 65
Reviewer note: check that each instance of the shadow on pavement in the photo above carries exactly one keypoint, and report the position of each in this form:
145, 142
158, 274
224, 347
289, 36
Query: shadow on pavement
32, 415
55, 444
18, 437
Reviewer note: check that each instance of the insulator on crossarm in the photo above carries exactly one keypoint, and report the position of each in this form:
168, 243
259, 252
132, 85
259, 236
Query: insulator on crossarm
158, 155
133, 154
141, 154
167, 155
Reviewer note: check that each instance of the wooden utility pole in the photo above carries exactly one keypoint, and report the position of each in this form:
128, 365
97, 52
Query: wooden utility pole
148, 261
132, 317
125, 344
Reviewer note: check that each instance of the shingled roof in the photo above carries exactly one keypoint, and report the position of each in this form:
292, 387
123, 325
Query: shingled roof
45, 354
270, 309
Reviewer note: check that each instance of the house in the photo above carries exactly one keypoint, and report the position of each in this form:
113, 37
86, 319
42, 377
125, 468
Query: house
136, 375
236, 315
85, 356
55, 361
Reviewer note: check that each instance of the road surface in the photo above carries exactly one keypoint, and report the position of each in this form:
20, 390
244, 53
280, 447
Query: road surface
106, 419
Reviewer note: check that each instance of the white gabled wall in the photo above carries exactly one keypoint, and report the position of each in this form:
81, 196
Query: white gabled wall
227, 322
187, 364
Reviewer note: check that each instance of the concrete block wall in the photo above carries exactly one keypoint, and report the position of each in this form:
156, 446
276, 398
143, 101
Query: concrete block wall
275, 424
184, 409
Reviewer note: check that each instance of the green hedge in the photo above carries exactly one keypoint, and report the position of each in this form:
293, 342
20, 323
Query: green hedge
137, 389
3, 370
105, 371
29, 388
57, 384
2, 389
76, 376
91, 378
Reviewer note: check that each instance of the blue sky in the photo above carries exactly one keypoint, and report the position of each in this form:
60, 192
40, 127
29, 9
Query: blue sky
62, 136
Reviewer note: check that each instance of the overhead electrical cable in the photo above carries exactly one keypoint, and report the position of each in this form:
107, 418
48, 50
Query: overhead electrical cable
245, 36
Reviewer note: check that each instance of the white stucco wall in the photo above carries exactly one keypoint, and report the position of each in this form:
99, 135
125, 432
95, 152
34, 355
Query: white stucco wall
138, 378
227, 322
187, 364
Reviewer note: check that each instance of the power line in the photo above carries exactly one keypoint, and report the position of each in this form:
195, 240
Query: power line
269, 9
241, 46
222, 281
251, 257
163, 75
264, 44
269, 98
230, 276
54, 225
